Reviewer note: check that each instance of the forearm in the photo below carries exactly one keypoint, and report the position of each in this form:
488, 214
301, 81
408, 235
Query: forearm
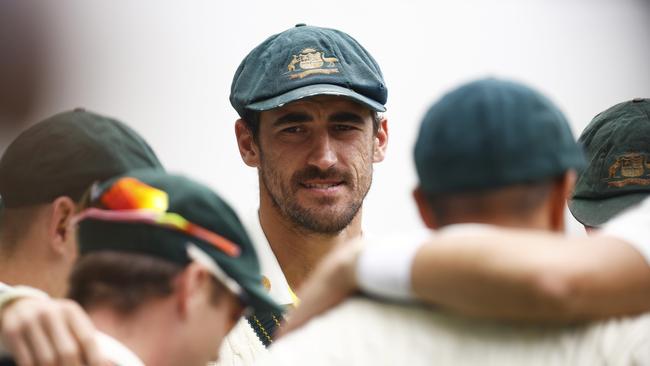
503, 274
532, 276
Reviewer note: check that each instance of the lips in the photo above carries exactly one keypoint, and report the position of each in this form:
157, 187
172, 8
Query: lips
324, 191
321, 185
322, 181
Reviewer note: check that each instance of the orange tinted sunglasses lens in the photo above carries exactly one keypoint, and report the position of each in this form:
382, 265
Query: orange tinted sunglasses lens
131, 194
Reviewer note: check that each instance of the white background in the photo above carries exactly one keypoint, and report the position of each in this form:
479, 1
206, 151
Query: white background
165, 68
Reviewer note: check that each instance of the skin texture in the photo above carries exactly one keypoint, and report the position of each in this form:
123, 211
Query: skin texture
316, 162
314, 158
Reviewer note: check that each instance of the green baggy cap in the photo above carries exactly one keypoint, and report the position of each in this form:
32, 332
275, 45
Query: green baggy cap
492, 133
64, 154
306, 61
191, 223
617, 145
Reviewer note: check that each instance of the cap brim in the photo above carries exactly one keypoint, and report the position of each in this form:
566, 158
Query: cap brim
259, 299
595, 212
240, 283
311, 91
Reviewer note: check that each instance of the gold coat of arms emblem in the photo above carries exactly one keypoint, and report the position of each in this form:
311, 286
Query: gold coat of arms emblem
311, 61
629, 169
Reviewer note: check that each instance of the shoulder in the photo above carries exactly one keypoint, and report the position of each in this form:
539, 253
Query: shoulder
241, 346
623, 341
357, 332
117, 352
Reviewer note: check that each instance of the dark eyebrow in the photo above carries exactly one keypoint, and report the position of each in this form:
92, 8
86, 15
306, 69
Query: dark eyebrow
292, 117
346, 117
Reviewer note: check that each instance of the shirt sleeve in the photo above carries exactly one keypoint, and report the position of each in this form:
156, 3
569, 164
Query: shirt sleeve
384, 266
633, 227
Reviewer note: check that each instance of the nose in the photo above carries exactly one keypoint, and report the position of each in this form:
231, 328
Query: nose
322, 154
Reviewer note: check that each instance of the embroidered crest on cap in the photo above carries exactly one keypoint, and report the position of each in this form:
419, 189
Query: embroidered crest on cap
311, 61
629, 169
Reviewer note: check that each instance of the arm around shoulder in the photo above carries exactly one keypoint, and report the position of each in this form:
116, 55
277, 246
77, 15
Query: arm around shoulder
529, 276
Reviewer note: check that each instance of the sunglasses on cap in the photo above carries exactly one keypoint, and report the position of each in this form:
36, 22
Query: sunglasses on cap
129, 200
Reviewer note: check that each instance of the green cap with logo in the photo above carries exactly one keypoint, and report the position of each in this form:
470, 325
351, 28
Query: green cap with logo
173, 218
617, 145
306, 61
64, 154
492, 133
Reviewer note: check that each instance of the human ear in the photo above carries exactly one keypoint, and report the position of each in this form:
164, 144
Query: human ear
248, 148
60, 228
193, 289
562, 190
380, 141
427, 215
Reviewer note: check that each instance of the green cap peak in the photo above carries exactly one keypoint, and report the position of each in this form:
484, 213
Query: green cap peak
306, 61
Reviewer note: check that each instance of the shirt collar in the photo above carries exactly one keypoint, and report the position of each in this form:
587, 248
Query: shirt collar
275, 281
466, 228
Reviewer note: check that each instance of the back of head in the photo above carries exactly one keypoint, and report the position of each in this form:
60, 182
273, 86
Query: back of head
64, 154
493, 141
617, 145
121, 282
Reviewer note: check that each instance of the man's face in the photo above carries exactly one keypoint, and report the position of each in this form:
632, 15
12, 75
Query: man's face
315, 160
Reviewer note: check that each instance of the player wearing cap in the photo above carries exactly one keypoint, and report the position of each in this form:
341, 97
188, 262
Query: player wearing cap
165, 269
309, 99
567, 284
43, 173
617, 144
489, 154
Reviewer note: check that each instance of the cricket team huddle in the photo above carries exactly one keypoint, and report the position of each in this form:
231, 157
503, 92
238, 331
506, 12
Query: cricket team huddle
107, 258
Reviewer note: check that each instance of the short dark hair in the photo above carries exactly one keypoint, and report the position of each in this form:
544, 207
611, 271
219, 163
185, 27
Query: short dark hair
124, 281
252, 120
517, 200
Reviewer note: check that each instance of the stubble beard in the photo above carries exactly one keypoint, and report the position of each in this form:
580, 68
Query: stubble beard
323, 219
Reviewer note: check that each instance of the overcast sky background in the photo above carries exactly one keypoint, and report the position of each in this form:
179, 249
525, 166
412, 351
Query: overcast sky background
165, 68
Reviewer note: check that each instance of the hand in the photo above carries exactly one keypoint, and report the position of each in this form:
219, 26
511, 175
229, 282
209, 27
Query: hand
39, 331
333, 280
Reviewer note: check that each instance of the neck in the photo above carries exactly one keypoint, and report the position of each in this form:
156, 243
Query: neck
27, 256
145, 333
539, 220
16, 268
297, 250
